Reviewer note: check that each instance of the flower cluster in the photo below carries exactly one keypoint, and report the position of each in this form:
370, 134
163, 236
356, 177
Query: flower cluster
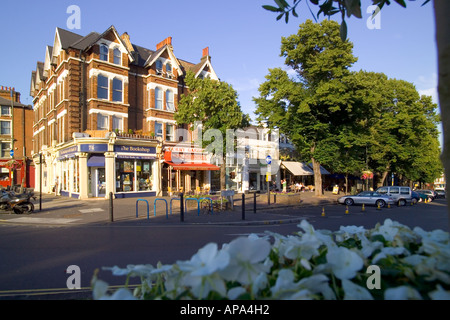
312, 264
367, 175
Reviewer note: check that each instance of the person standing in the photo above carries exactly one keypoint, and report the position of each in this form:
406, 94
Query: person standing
284, 185
56, 185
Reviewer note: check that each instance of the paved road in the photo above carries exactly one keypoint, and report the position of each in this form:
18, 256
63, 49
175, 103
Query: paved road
35, 252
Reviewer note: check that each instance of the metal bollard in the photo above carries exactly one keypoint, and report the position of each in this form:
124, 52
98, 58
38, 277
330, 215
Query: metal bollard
254, 202
243, 206
181, 208
274, 198
111, 207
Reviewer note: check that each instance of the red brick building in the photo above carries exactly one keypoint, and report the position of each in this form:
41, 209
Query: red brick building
104, 114
16, 122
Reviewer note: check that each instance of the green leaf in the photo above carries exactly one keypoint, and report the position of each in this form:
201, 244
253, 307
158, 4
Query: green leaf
401, 2
280, 16
271, 8
353, 8
343, 31
282, 4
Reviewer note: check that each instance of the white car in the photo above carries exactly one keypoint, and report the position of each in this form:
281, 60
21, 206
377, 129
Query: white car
367, 198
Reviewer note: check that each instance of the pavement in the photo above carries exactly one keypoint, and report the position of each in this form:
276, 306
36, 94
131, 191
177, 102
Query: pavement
54, 210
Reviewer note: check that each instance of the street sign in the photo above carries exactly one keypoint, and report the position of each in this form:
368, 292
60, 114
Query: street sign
11, 153
269, 159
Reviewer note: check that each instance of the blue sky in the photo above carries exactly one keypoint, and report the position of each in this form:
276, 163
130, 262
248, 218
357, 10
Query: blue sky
243, 38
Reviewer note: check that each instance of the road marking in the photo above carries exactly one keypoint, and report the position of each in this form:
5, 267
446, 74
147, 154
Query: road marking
91, 210
42, 220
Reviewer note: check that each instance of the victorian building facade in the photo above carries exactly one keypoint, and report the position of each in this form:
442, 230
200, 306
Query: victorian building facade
104, 118
16, 121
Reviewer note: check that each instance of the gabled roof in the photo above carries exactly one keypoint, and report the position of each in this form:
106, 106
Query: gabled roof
156, 54
67, 39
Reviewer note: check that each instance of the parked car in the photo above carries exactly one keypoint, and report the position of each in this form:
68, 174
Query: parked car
430, 193
367, 197
401, 195
419, 197
440, 193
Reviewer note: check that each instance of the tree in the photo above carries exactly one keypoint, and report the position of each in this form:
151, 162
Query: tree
311, 108
215, 105
441, 14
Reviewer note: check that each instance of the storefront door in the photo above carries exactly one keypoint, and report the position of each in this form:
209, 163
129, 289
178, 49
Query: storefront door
98, 183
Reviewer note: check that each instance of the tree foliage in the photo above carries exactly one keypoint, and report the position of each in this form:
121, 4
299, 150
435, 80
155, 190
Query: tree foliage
348, 121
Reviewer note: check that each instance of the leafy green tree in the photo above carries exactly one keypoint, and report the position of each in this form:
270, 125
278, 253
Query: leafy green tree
308, 108
215, 105
348, 8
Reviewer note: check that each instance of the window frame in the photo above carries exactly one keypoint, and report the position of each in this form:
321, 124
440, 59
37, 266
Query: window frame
1, 127
170, 136
99, 87
161, 135
116, 91
157, 99
103, 54
170, 103
106, 124
119, 56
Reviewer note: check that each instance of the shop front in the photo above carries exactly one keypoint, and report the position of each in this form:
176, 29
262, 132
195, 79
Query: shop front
94, 168
15, 173
186, 170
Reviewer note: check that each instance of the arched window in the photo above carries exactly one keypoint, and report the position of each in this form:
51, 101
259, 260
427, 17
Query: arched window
159, 66
102, 87
117, 56
169, 101
158, 98
104, 52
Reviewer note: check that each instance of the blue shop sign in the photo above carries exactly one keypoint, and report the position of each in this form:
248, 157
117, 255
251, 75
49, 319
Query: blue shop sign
69, 152
93, 147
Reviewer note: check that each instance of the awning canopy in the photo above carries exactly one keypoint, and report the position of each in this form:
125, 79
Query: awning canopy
297, 168
96, 161
322, 169
193, 166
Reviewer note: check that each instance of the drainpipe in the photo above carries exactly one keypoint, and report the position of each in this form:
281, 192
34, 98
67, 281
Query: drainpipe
83, 92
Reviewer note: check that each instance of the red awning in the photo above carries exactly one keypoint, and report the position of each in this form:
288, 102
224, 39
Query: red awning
193, 166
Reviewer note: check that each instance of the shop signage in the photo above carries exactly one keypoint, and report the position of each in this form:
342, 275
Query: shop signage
68, 151
185, 155
93, 147
135, 149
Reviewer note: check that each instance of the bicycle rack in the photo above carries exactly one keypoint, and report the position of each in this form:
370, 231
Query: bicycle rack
148, 208
171, 203
198, 204
210, 200
154, 207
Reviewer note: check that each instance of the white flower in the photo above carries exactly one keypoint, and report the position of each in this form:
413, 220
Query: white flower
344, 263
440, 294
235, 292
318, 283
389, 251
247, 259
387, 230
200, 273
402, 293
355, 292
368, 247
285, 287
206, 261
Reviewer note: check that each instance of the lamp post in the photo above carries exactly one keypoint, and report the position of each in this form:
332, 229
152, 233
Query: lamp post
159, 155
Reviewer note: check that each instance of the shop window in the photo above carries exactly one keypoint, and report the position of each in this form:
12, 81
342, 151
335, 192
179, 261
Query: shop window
144, 175
125, 175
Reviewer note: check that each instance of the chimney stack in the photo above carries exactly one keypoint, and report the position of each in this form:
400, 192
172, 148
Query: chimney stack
166, 41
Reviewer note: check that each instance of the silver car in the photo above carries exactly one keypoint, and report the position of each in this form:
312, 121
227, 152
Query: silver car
367, 197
